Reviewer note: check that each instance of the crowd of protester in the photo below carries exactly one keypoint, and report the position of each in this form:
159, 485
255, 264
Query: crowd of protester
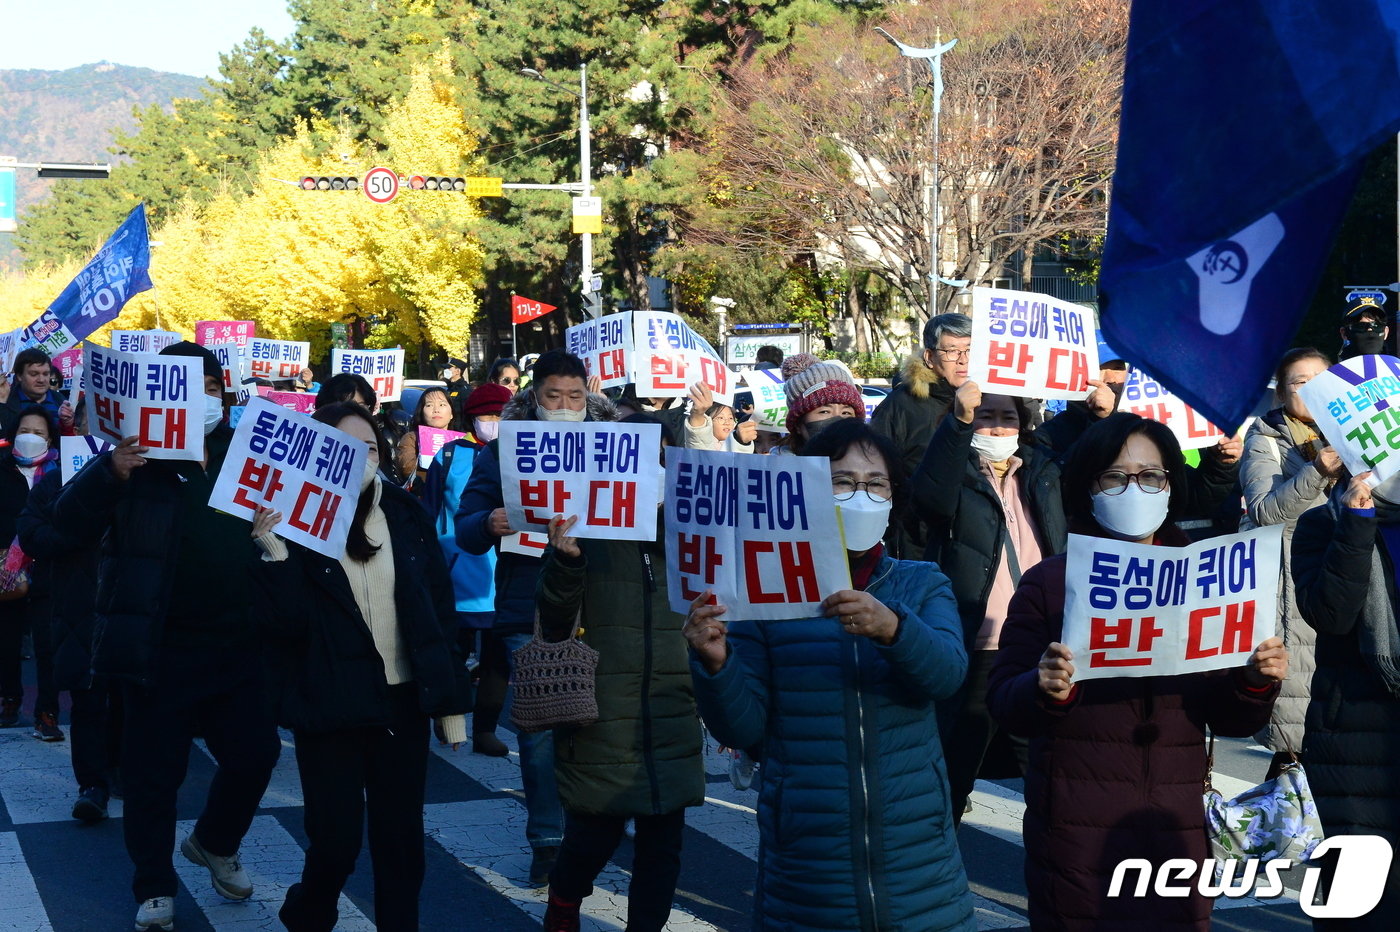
868, 724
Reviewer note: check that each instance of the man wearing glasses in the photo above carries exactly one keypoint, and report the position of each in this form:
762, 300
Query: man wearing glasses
911, 412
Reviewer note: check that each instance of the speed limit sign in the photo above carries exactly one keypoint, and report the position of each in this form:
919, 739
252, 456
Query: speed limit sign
380, 185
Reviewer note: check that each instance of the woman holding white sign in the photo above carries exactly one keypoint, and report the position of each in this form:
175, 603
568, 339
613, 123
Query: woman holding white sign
1116, 765
1286, 469
854, 816
363, 653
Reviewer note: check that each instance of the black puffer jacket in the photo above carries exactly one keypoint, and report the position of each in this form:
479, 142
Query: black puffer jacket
14, 490
908, 416
139, 523
1351, 740
967, 527
64, 578
327, 674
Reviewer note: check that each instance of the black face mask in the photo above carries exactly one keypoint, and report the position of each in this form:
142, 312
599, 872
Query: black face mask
1367, 338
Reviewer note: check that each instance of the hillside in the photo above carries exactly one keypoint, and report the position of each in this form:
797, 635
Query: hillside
70, 116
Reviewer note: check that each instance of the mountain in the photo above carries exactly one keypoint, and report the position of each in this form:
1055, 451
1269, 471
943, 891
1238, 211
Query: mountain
71, 116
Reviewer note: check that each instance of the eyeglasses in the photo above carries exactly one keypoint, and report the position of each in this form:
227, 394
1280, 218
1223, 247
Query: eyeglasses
843, 487
1366, 326
953, 355
507, 380
1114, 481
722, 419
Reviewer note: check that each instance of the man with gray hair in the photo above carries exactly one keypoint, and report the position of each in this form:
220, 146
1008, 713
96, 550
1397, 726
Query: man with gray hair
909, 415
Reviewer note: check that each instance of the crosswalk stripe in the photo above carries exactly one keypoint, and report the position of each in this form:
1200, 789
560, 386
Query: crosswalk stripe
36, 780
273, 860
21, 909
487, 836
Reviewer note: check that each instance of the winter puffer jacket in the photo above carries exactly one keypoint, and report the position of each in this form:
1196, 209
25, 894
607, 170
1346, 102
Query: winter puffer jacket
516, 574
908, 416
853, 814
1116, 772
643, 755
1353, 725
1279, 485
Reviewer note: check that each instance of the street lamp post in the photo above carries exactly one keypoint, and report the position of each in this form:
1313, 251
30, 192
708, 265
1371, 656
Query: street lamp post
934, 57
585, 158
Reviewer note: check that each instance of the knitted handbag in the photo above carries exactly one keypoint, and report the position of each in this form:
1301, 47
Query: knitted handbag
552, 683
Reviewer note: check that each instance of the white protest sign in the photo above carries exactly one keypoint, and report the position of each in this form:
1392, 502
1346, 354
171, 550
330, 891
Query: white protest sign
74, 453
277, 359
669, 357
770, 406
1146, 397
605, 346
234, 363
743, 351
1031, 345
760, 532
10, 344
1142, 610
525, 543
288, 462
143, 341
1356, 406
383, 369
604, 473
159, 399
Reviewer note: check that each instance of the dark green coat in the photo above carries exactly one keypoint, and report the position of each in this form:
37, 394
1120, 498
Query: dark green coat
642, 756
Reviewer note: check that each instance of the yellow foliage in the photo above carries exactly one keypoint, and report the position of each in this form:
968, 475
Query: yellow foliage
294, 261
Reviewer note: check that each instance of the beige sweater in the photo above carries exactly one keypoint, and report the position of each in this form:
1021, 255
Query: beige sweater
372, 583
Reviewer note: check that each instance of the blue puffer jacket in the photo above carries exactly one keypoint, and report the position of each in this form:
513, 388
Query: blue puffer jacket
853, 814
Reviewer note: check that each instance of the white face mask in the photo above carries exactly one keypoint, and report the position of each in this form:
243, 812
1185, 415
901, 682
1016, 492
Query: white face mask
486, 431
371, 470
213, 413
995, 449
864, 519
562, 414
1131, 514
30, 446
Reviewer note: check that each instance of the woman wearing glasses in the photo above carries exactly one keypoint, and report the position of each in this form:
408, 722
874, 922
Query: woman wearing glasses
1116, 765
505, 372
990, 497
853, 814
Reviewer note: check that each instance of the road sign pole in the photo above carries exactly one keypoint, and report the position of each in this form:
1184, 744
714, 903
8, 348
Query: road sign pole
584, 156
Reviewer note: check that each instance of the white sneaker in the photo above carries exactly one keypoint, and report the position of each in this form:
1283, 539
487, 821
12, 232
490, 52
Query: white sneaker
741, 770
156, 913
226, 873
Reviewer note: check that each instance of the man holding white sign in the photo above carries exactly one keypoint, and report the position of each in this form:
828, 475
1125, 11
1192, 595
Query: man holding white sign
175, 627
1123, 758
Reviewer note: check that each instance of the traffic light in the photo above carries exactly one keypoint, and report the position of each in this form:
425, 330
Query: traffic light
436, 183
330, 183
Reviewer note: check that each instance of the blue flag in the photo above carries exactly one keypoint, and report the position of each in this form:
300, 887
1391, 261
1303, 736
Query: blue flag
99, 292
1243, 129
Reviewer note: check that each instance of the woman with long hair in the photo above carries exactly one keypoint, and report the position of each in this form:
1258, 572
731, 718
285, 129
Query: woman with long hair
435, 410
363, 653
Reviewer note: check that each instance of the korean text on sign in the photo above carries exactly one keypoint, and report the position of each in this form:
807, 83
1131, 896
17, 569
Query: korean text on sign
606, 474
1356, 405
300, 402
277, 359
1146, 397
75, 452
383, 369
669, 357
770, 407
1142, 610
239, 332
605, 346
433, 439
1031, 345
290, 463
159, 399
143, 341
233, 361
759, 532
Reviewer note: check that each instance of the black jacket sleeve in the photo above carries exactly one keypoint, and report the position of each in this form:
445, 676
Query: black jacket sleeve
1332, 567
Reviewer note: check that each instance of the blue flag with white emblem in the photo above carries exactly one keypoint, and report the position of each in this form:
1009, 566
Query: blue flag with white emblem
1243, 129
98, 293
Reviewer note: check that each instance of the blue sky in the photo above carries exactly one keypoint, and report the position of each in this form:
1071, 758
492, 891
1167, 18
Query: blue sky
184, 36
